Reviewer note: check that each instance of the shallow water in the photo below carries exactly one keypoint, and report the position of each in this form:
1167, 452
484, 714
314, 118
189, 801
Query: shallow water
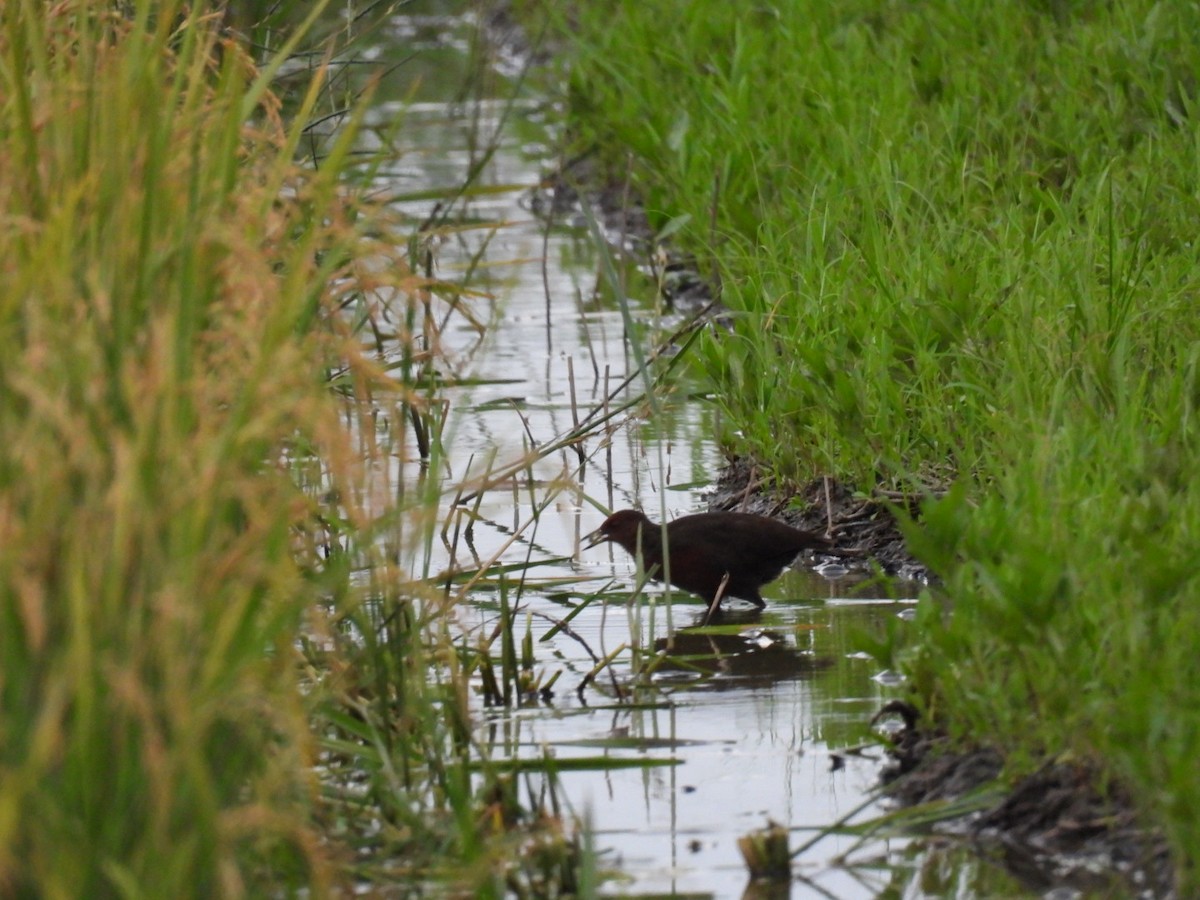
752, 720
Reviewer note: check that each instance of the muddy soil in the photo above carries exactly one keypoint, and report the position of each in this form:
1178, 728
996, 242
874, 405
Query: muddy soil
863, 529
1054, 828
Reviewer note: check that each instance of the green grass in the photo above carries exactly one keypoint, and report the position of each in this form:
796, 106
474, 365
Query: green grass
215, 680
959, 243
157, 324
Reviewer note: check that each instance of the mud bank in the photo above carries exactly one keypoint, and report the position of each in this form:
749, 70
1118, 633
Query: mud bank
863, 529
1054, 828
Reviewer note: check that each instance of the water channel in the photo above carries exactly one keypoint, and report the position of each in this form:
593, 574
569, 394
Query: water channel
758, 727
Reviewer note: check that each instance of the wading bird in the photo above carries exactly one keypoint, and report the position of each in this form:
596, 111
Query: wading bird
723, 554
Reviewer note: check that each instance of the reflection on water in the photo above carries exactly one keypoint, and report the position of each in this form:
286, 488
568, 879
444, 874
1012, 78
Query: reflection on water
751, 709
754, 658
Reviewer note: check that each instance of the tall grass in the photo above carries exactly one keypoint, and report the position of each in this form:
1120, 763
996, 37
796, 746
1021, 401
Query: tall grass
217, 678
958, 241
168, 432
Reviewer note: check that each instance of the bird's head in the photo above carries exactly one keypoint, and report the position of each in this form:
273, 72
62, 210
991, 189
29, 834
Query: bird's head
621, 528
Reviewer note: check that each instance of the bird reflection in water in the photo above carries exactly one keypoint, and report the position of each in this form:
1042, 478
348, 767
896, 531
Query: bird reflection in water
750, 658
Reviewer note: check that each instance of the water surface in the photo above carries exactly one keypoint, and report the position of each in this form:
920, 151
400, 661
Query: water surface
756, 718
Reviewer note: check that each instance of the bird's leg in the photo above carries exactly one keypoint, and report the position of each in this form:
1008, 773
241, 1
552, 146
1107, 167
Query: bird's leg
716, 600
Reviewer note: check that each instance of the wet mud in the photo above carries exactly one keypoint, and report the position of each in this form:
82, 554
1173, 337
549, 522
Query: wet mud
863, 529
1053, 828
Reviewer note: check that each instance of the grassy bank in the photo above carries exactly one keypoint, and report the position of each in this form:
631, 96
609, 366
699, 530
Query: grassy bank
959, 240
215, 681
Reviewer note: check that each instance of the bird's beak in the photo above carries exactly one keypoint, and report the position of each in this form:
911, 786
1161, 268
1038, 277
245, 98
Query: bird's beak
596, 537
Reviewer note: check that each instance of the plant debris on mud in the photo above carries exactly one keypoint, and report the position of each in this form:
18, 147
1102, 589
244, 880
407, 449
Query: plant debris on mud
1052, 827
863, 529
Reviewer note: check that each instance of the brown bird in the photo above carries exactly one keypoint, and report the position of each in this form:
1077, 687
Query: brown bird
704, 548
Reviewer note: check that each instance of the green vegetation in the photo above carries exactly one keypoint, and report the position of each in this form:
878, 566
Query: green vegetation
959, 243
215, 680
959, 240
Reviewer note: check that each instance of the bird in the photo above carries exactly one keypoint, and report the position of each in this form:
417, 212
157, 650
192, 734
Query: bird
705, 548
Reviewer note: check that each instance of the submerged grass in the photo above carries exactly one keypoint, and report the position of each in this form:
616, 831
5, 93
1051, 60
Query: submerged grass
958, 241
